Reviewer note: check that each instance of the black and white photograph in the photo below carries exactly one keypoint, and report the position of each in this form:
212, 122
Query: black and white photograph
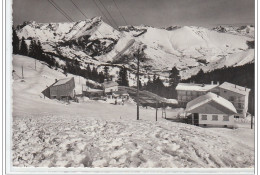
132, 84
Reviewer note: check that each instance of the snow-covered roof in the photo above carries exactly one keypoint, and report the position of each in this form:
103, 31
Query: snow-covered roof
195, 87
209, 97
62, 81
235, 88
88, 89
109, 84
171, 101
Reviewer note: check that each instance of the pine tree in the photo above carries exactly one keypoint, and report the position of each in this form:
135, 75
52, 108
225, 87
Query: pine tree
39, 50
24, 49
94, 74
101, 77
32, 49
120, 76
199, 77
106, 69
125, 77
174, 77
88, 72
15, 42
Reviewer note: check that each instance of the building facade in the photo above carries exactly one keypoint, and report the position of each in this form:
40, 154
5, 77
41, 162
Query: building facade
211, 110
237, 95
62, 89
189, 91
110, 86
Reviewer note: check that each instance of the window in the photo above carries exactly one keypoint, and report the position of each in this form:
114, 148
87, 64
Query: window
231, 98
215, 117
204, 117
225, 118
240, 106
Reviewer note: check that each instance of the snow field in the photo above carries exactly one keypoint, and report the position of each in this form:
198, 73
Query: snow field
65, 141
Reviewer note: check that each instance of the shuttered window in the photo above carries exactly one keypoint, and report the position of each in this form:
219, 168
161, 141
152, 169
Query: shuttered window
225, 118
215, 117
204, 117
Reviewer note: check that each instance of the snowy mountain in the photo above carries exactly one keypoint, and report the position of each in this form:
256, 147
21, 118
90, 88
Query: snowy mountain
188, 48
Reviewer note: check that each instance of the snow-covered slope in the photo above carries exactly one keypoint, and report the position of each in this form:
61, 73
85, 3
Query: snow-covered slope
49, 133
187, 48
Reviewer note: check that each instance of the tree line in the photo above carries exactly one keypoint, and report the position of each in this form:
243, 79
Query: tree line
156, 85
34, 50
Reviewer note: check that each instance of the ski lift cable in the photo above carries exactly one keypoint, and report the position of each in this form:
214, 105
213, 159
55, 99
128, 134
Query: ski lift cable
120, 12
102, 13
108, 13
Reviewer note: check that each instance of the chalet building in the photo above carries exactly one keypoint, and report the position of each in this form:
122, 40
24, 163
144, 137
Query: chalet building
237, 95
62, 89
92, 93
211, 110
189, 91
109, 87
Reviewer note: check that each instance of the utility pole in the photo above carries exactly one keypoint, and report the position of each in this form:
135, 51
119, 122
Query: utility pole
138, 62
156, 110
22, 72
251, 121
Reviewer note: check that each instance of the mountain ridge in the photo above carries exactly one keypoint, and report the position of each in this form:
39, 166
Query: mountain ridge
189, 48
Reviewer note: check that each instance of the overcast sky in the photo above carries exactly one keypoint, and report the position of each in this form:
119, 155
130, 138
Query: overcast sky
158, 13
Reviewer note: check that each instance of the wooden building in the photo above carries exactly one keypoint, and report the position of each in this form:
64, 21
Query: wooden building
110, 86
62, 89
211, 110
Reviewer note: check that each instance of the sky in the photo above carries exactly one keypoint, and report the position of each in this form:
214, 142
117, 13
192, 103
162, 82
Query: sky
157, 13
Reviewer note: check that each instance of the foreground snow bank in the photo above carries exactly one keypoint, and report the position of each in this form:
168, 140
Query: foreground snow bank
64, 141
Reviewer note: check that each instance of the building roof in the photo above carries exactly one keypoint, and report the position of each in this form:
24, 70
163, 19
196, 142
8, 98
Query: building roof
109, 84
235, 88
88, 89
195, 87
62, 81
207, 98
122, 92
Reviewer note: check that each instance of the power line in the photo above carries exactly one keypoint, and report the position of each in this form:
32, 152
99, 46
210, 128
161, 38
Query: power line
63, 12
120, 11
78, 9
60, 10
108, 13
102, 13
84, 15
68, 17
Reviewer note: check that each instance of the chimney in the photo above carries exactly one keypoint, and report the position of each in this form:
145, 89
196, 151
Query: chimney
212, 82
245, 88
217, 82
235, 86
56, 80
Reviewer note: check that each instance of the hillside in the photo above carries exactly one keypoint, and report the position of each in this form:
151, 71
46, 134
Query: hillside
51, 133
188, 48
